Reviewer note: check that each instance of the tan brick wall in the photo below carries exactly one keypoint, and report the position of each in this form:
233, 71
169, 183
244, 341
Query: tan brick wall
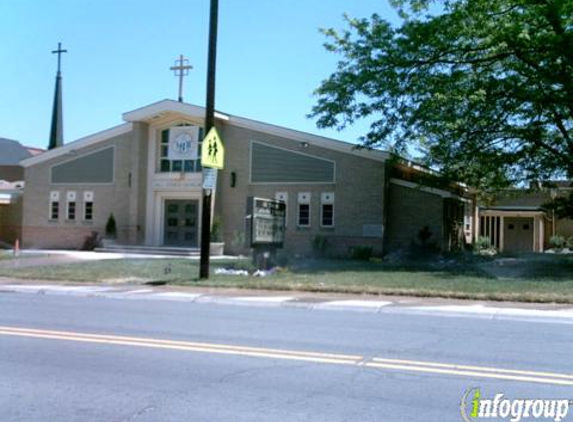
358, 189
122, 198
411, 209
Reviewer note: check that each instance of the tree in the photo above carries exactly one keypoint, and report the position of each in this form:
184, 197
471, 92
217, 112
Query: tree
483, 88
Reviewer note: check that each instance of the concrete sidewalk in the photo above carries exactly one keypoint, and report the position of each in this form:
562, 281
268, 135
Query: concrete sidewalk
556, 313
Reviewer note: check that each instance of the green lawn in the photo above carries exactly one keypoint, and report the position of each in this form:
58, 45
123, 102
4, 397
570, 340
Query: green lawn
534, 278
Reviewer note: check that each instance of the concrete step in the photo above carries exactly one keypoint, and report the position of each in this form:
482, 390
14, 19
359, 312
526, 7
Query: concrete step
150, 250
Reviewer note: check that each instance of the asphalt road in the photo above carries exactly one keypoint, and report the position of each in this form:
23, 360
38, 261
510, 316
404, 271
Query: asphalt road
117, 360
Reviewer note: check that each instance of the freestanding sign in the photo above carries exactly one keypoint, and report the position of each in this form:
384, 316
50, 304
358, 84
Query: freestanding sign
267, 222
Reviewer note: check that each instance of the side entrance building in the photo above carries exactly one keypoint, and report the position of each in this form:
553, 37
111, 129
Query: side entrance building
348, 196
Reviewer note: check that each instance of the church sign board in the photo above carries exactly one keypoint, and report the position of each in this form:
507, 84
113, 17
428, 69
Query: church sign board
267, 222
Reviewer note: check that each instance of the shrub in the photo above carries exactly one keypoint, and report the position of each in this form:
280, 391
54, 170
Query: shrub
557, 241
361, 253
91, 242
217, 229
570, 242
111, 227
482, 243
424, 235
319, 245
238, 242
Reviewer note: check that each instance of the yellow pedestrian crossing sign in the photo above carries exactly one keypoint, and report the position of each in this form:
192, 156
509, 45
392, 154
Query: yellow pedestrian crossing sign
213, 150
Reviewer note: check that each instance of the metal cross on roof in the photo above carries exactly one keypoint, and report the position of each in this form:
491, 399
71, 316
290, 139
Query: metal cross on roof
59, 52
181, 70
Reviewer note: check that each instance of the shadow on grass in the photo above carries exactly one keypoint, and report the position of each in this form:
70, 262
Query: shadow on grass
528, 267
453, 269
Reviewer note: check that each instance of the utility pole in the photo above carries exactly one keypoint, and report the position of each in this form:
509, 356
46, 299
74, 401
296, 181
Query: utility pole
209, 123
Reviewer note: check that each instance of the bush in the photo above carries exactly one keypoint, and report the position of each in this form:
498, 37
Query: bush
217, 229
319, 245
557, 241
111, 227
570, 242
361, 253
482, 243
91, 242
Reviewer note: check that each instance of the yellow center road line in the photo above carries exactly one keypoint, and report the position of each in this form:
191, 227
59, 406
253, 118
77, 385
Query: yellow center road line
329, 358
182, 345
478, 374
474, 368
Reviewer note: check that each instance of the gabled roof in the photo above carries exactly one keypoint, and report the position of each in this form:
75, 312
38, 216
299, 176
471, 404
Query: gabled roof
12, 152
80, 143
156, 111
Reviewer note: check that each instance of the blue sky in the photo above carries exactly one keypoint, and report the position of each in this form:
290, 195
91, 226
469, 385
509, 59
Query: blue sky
270, 59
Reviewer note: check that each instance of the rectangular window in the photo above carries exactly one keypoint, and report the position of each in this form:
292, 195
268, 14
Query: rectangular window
72, 210
283, 197
54, 212
303, 219
71, 205
327, 209
88, 206
327, 218
89, 211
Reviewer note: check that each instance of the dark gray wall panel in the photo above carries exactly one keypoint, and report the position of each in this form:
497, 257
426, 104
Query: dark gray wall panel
274, 165
96, 167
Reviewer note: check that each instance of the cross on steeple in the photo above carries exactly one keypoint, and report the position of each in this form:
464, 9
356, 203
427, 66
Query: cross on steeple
57, 128
181, 70
59, 52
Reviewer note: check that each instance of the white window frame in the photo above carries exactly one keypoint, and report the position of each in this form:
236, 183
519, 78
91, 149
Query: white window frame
54, 199
304, 198
71, 197
283, 196
326, 198
88, 199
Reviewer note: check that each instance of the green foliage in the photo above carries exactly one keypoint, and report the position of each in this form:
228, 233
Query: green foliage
111, 227
361, 253
319, 245
569, 242
217, 229
557, 241
562, 206
482, 243
483, 88
238, 241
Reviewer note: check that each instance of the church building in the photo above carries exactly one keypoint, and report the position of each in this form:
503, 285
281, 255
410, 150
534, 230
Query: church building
141, 173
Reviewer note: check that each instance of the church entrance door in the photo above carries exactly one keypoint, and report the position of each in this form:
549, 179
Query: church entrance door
181, 223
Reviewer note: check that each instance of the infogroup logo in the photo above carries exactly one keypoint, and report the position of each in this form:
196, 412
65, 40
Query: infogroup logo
474, 407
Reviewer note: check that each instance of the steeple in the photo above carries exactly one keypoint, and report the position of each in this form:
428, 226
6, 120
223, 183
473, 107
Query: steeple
57, 129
